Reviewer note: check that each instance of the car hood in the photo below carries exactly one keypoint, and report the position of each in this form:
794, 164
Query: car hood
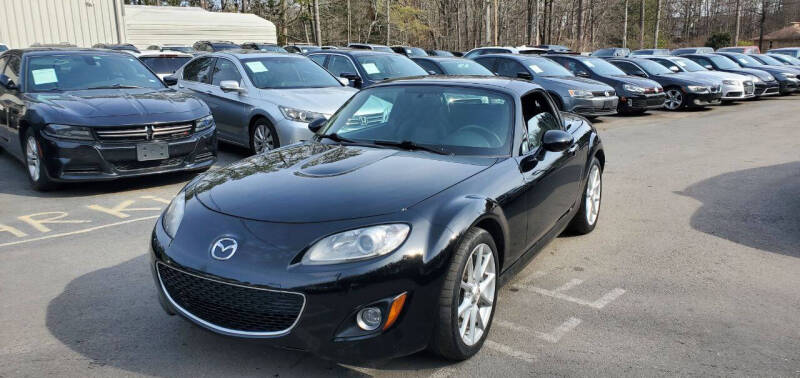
691, 78
723, 75
574, 82
322, 100
635, 80
761, 74
314, 182
105, 107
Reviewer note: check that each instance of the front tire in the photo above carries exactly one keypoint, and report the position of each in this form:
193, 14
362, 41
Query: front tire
35, 163
586, 218
262, 137
675, 100
468, 297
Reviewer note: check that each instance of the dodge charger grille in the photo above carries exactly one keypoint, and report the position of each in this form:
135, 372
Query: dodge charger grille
144, 132
232, 307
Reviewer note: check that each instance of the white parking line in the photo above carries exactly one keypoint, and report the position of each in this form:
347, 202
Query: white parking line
509, 351
552, 337
83, 231
598, 304
569, 285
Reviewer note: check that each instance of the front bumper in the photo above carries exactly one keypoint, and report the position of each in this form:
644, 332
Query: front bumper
332, 294
789, 86
290, 132
737, 92
642, 102
73, 160
770, 88
595, 106
703, 99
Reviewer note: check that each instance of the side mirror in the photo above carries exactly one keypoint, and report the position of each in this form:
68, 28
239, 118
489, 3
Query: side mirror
582, 74
524, 75
317, 124
6, 82
352, 77
557, 140
432, 72
170, 80
230, 86
640, 74
674, 69
343, 81
709, 67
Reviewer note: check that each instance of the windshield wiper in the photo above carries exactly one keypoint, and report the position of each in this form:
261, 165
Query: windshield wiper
409, 145
115, 86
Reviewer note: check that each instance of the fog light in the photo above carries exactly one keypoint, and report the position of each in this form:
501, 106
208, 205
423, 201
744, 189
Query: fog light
369, 318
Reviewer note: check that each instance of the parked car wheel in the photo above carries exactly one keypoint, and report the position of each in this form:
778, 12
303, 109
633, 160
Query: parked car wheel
467, 301
586, 217
675, 99
34, 161
263, 137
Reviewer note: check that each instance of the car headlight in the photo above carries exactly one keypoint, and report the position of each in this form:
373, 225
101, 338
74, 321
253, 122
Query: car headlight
697, 89
730, 82
633, 88
204, 123
68, 132
358, 244
580, 93
174, 214
299, 115
755, 79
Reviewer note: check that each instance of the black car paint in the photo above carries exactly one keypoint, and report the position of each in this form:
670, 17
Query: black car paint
628, 101
767, 84
786, 86
523, 209
677, 80
360, 78
105, 108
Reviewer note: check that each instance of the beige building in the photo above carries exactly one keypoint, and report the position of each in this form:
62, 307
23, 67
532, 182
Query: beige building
87, 22
786, 37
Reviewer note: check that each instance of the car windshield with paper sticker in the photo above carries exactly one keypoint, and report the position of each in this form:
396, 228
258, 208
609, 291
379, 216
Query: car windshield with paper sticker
73, 72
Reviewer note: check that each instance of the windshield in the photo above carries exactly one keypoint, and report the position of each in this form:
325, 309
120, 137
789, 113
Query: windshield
546, 67
271, 48
287, 72
416, 51
383, 49
463, 67
164, 65
787, 59
224, 46
383, 67
688, 65
185, 49
453, 120
124, 48
602, 67
723, 63
769, 60
307, 49
71, 72
652, 67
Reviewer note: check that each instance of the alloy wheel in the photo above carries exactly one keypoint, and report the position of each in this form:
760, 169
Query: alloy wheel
263, 139
674, 99
32, 158
593, 189
477, 294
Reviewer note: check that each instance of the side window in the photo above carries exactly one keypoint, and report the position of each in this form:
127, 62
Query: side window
569, 64
668, 64
199, 70
225, 70
338, 64
629, 68
539, 117
509, 68
12, 69
489, 63
428, 66
318, 59
702, 61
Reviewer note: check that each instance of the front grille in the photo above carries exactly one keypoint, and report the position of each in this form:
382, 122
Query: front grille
603, 93
134, 165
734, 94
144, 132
232, 307
204, 156
749, 88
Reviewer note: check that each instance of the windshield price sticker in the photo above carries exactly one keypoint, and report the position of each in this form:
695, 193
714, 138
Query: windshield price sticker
536, 68
256, 67
371, 68
44, 76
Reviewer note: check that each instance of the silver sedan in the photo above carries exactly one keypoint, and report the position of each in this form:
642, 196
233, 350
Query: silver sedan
262, 100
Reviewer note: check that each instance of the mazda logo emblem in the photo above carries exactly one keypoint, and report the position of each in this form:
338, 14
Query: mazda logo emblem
224, 248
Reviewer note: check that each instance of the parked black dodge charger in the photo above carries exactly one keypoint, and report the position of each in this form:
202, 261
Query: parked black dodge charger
391, 231
83, 114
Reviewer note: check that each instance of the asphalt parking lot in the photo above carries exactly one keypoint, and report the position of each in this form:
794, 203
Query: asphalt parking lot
694, 269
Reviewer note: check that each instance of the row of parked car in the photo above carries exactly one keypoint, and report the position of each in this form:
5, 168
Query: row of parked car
95, 114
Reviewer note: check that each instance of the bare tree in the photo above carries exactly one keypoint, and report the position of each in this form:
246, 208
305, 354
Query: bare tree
658, 19
317, 26
641, 25
625, 27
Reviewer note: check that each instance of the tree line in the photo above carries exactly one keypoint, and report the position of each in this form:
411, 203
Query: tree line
582, 25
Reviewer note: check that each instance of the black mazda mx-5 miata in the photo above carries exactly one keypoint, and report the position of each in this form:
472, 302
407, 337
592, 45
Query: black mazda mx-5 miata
392, 230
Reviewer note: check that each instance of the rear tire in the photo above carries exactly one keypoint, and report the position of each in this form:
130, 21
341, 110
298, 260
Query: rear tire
589, 213
35, 163
469, 287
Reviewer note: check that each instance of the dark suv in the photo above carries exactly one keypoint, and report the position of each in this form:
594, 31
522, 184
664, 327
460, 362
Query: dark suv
363, 68
83, 114
214, 46
636, 94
